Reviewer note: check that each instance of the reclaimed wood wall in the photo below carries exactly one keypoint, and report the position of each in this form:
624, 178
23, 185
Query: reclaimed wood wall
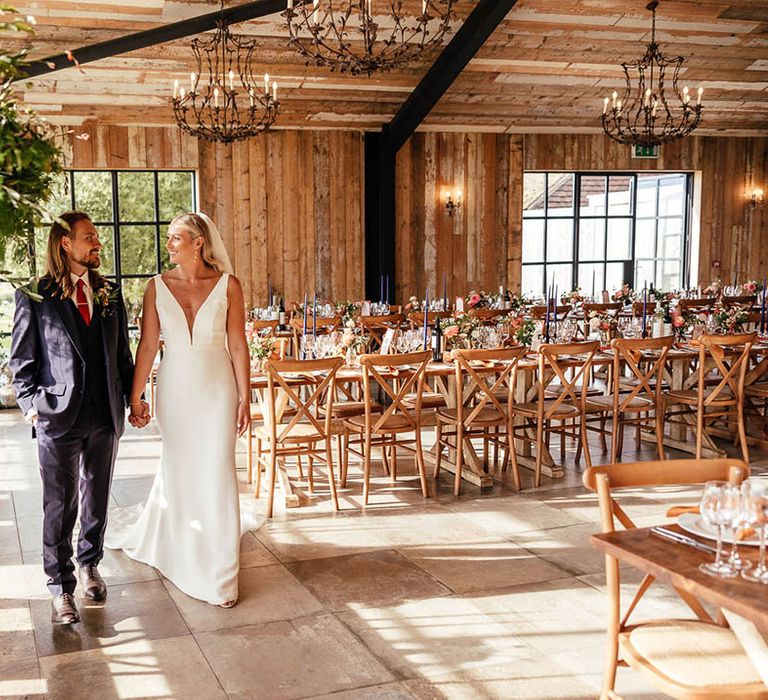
289, 204
481, 244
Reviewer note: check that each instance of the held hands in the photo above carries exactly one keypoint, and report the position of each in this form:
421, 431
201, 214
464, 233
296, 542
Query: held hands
139, 416
243, 417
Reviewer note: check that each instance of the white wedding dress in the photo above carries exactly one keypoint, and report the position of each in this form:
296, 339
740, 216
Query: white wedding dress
189, 528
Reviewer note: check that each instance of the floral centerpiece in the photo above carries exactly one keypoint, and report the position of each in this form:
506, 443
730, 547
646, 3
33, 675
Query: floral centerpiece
752, 287
414, 304
522, 329
481, 300
353, 341
573, 297
683, 320
459, 330
626, 295
348, 310
261, 345
713, 289
730, 319
604, 323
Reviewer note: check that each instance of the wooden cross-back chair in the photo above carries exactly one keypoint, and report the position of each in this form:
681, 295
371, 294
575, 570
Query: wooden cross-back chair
570, 364
697, 306
540, 311
710, 402
416, 318
485, 387
322, 326
302, 431
635, 400
488, 316
684, 658
377, 326
262, 325
745, 300
385, 429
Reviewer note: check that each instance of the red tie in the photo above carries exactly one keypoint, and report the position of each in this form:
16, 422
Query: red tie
82, 303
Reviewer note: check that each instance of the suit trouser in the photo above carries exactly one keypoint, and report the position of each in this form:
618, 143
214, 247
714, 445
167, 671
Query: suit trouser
80, 462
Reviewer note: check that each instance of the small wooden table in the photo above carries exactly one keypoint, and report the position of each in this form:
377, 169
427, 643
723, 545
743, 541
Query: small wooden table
678, 565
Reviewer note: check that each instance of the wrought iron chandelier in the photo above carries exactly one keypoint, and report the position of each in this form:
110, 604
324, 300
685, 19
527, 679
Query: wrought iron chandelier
345, 36
225, 101
643, 116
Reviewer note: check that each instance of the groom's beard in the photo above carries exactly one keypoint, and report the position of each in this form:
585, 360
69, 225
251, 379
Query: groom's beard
92, 262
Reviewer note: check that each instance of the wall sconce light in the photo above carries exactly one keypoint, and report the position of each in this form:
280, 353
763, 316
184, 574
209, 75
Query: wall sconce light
757, 198
452, 204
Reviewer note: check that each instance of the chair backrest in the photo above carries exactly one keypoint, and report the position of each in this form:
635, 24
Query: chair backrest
416, 318
610, 308
731, 357
261, 325
540, 311
376, 326
558, 361
499, 366
487, 315
646, 358
701, 305
746, 300
378, 370
282, 376
655, 473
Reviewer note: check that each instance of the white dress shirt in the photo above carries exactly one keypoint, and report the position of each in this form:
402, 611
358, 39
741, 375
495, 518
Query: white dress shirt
86, 288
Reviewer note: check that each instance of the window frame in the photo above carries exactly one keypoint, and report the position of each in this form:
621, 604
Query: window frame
576, 217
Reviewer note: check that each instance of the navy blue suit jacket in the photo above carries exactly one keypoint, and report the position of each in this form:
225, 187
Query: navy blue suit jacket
48, 365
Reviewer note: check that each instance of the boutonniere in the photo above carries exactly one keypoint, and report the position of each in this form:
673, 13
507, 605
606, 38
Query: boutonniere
105, 297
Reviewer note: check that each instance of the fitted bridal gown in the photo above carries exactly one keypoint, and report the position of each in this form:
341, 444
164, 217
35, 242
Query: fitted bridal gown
189, 528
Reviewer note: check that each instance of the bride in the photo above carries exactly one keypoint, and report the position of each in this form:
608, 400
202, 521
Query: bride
190, 527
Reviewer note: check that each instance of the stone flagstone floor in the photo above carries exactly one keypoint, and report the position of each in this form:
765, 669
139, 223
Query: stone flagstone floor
492, 595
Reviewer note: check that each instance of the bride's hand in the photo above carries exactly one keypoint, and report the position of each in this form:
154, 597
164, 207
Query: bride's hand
243, 417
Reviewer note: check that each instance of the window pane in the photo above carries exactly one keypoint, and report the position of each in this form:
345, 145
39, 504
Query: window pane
93, 194
559, 239
591, 239
561, 276
615, 276
560, 194
61, 198
670, 238
618, 239
534, 188
533, 240
591, 279
133, 294
645, 238
533, 279
7, 307
646, 195
175, 193
670, 275
41, 246
137, 196
107, 238
592, 201
138, 251
620, 194
645, 273
671, 195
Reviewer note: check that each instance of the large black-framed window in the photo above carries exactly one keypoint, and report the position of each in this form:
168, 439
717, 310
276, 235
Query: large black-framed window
131, 210
598, 230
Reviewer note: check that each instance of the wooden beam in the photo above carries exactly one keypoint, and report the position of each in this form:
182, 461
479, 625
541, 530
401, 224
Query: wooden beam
462, 48
150, 37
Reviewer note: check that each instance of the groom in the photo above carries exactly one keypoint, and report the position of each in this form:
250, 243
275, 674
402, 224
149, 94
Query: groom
72, 370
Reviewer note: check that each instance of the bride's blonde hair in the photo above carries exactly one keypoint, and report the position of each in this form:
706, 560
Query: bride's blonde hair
197, 228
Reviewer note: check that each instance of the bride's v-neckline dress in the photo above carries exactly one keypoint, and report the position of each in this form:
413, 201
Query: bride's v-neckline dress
189, 528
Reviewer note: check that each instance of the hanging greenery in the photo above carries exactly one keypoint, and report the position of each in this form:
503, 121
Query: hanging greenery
30, 159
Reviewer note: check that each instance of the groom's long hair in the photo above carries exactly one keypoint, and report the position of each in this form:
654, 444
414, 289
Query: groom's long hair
57, 262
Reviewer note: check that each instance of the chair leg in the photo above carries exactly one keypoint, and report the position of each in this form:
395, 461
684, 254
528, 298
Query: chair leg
300, 465
539, 451
512, 456
385, 459
742, 433
699, 430
331, 477
616, 437
394, 459
438, 448
583, 432
420, 465
345, 459
459, 458
660, 433
272, 479
311, 470
367, 467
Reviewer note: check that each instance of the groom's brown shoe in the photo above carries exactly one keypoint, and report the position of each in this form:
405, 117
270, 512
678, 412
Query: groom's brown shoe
93, 585
64, 610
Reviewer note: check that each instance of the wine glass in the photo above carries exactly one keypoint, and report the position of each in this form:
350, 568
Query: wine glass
740, 518
308, 346
626, 326
756, 516
716, 507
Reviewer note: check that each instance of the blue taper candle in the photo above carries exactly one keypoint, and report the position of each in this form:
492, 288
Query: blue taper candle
762, 305
381, 288
314, 317
445, 292
645, 304
426, 316
304, 325
554, 313
386, 290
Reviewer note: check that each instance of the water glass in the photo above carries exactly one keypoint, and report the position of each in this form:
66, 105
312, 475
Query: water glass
718, 504
566, 330
626, 327
756, 517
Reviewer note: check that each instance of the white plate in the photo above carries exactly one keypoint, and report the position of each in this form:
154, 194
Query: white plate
693, 523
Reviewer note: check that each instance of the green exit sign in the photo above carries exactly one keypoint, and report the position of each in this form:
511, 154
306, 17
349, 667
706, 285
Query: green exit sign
639, 151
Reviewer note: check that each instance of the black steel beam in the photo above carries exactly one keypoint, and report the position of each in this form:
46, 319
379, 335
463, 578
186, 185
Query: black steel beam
150, 37
461, 49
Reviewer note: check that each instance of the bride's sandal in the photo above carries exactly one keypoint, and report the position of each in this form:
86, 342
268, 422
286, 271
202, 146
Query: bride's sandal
228, 604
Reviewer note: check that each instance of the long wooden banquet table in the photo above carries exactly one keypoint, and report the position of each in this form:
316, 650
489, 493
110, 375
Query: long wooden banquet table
681, 374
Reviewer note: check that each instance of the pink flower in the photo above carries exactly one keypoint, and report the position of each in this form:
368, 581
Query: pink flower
451, 331
474, 300
678, 321
750, 287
